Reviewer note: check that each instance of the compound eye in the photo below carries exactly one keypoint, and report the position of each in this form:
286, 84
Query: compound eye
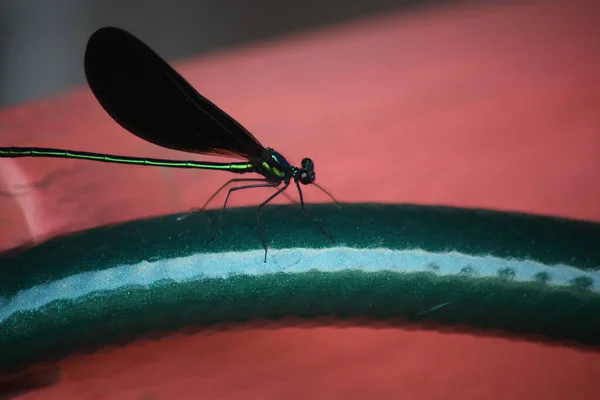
308, 164
306, 177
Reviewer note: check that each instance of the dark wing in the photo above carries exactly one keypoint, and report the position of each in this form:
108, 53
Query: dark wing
141, 92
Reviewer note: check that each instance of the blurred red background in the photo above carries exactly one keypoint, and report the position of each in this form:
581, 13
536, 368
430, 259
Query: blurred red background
493, 105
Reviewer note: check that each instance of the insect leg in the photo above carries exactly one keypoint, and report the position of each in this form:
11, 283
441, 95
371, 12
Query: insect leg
268, 184
308, 216
264, 203
223, 187
236, 180
327, 193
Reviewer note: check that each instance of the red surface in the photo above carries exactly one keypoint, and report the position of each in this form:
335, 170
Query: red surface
494, 106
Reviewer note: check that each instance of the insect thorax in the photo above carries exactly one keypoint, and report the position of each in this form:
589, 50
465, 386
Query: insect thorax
273, 166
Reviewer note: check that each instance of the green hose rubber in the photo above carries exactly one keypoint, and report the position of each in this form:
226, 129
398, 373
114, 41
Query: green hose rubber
522, 274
